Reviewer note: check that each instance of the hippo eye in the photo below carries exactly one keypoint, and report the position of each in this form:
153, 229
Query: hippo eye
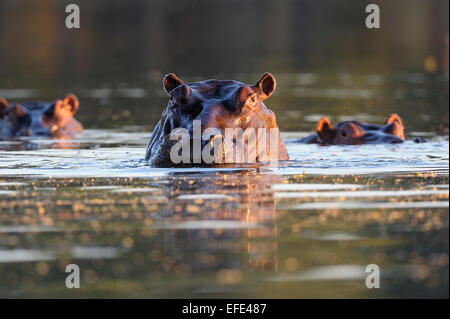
251, 101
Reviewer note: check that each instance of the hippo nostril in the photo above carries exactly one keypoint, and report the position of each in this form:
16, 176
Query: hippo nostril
205, 140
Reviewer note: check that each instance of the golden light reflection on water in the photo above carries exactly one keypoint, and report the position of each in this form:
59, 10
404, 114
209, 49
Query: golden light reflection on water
239, 235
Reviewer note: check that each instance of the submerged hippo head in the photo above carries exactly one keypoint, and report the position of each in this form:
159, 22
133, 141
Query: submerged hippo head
357, 133
53, 119
216, 107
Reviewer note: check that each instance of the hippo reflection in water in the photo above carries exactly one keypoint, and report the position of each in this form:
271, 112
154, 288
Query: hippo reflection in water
218, 105
226, 220
357, 133
54, 119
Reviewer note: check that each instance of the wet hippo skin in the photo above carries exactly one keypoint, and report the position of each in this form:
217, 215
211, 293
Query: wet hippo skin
218, 105
357, 133
54, 119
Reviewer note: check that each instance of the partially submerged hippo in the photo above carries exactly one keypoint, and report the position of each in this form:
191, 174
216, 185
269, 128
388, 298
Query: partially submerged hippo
216, 106
357, 133
54, 119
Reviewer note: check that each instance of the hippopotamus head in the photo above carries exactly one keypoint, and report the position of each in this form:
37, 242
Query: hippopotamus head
357, 133
217, 105
54, 119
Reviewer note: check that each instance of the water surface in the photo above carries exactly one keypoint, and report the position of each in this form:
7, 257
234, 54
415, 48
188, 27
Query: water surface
305, 228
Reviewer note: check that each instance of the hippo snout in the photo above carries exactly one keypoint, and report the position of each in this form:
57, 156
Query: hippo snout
186, 146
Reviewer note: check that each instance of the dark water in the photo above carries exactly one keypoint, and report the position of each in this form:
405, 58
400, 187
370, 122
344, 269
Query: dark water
307, 228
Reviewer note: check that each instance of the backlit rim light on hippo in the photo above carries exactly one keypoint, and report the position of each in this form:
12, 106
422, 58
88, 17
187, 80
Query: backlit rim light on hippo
235, 146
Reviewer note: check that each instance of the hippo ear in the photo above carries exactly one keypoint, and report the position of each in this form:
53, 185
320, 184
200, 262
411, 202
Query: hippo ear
65, 108
324, 129
72, 101
171, 81
3, 106
393, 118
16, 110
265, 86
394, 126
